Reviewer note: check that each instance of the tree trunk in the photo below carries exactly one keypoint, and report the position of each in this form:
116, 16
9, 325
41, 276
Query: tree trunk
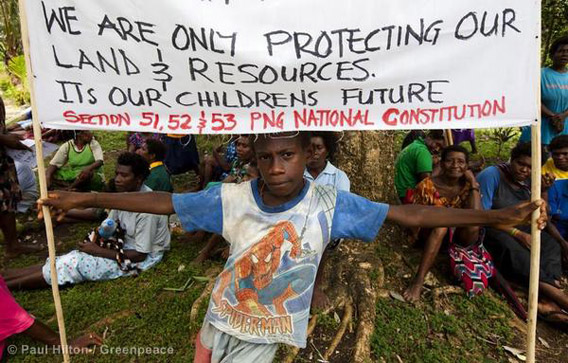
368, 159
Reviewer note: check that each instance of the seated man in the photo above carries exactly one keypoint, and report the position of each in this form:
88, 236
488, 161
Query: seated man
414, 162
557, 168
146, 238
77, 165
154, 151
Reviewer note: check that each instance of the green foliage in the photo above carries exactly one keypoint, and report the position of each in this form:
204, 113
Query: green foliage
10, 38
17, 86
501, 136
554, 23
427, 334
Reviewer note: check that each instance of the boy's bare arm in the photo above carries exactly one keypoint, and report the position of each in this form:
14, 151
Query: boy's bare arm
143, 202
432, 217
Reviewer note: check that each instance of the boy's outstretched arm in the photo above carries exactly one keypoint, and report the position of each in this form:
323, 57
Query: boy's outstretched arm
143, 202
431, 217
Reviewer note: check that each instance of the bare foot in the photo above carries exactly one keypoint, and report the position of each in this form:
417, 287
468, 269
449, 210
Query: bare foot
201, 257
320, 299
413, 292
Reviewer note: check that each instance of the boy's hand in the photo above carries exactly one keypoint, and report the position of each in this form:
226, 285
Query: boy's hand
547, 180
59, 202
521, 214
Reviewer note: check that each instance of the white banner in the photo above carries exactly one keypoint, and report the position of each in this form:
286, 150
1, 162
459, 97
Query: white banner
250, 66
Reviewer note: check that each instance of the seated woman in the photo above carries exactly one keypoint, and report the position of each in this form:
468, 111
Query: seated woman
77, 165
146, 238
502, 186
320, 170
455, 186
15, 320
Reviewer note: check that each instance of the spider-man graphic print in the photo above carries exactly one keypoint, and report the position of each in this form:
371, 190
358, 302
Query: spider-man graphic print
264, 292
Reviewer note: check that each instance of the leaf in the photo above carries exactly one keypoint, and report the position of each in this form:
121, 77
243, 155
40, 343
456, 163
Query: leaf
518, 353
336, 317
201, 278
396, 296
544, 342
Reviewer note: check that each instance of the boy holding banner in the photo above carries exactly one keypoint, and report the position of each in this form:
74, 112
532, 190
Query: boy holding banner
278, 227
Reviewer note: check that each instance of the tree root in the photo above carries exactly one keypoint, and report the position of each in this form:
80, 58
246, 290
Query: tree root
366, 300
289, 358
204, 294
345, 321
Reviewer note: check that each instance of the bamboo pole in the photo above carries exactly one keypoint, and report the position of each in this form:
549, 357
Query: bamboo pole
449, 137
535, 232
43, 185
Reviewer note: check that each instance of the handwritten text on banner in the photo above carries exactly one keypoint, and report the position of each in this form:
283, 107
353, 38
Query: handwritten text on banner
193, 66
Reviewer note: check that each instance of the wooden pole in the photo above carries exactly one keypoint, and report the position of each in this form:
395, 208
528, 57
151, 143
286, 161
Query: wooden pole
449, 137
535, 232
43, 185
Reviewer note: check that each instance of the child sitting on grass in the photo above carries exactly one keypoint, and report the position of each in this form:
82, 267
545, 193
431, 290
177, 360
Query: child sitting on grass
278, 227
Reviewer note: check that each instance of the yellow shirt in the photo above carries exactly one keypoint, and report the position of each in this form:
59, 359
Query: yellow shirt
549, 167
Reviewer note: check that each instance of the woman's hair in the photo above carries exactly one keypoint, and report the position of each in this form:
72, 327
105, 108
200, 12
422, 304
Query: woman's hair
436, 134
455, 149
329, 140
137, 163
522, 149
557, 44
559, 142
157, 148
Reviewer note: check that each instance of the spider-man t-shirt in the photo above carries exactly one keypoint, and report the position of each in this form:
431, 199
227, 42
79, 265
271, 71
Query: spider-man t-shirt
264, 293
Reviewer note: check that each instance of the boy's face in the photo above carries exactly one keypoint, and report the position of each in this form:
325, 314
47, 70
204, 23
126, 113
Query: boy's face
143, 151
560, 157
281, 163
125, 180
521, 168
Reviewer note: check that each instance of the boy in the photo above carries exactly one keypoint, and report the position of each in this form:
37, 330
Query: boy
146, 239
278, 227
154, 151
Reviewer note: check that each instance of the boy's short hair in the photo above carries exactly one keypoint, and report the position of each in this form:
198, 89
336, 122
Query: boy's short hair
455, 149
137, 163
559, 142
436, 134
303, 136
522, 149
557, 44
156, 148
329, 140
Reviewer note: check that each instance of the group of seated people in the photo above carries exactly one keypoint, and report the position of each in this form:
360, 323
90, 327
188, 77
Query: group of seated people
145, 238
479, 254
78, 166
